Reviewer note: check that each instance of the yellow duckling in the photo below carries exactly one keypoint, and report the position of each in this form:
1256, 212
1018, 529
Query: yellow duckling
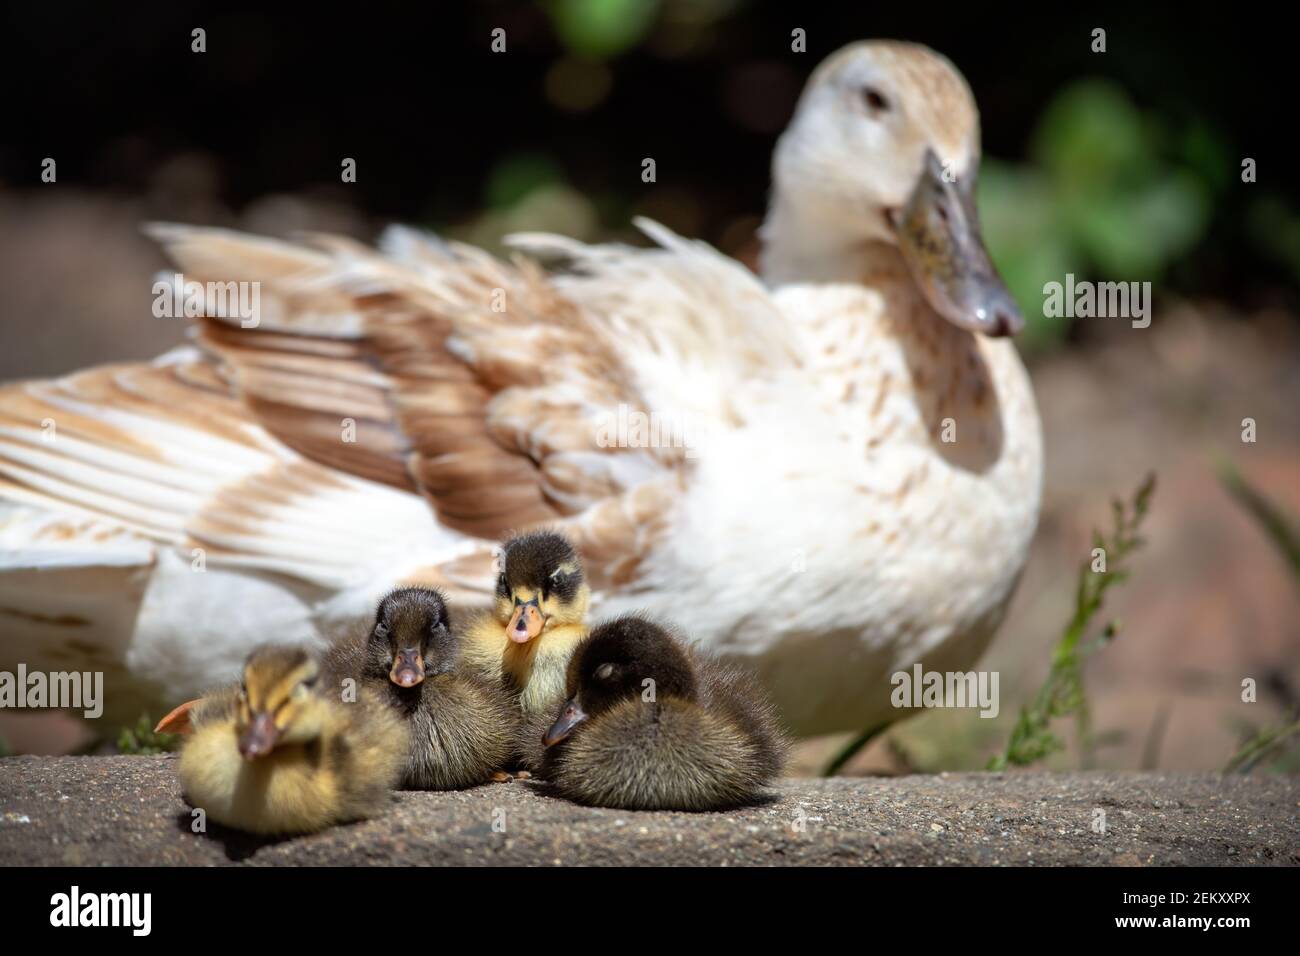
279, 755
538, 618
651, 725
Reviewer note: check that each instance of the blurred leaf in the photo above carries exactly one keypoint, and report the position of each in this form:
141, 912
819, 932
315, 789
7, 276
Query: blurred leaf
1279, 528
1089, 135
1205, 153
601, 29
141, 740
1135, 234
1104, 202
1277, 231
1018, 212
549, 208
514, 178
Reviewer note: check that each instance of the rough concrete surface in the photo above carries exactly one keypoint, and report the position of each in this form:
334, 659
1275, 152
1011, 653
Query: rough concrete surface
129, 811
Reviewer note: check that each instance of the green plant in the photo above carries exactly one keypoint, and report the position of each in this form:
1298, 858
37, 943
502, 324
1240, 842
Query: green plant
141, 740
1264, 743
850, 750
1063, 693
1106, 196
1276, 526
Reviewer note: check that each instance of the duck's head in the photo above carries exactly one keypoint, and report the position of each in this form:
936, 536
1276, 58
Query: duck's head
411, 638
623, 659
277, 701
884, 147
541, 586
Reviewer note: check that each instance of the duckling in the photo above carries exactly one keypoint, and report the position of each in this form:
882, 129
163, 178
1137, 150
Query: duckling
280, 755
651, 725
462, 726
538, 618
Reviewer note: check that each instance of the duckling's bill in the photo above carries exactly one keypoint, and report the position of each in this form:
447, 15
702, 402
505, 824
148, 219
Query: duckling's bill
259, 737
939, 237
570, 717
408, 667
527, 620
178, 721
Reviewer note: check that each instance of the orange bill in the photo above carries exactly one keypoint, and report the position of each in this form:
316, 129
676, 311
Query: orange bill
178, 721
525, 624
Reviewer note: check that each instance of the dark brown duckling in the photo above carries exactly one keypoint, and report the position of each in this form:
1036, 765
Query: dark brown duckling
650, 724
463, 726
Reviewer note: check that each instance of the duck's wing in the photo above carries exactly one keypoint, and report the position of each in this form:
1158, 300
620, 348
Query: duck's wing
391, 415
165, 453
501, 394
152, 529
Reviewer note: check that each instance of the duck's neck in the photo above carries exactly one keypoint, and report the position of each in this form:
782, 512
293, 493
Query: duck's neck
803, 245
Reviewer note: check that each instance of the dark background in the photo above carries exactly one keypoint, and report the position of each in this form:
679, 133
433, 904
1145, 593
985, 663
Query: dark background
414, 94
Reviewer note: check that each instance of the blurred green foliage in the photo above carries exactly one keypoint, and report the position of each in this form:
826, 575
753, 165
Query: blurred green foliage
600, 29
141, 740
1276, 231
1105, 197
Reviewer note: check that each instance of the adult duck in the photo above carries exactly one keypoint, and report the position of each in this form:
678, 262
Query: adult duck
833, 473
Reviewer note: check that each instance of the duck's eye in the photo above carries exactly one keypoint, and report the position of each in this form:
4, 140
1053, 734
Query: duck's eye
874, 99
381, 630
603, 672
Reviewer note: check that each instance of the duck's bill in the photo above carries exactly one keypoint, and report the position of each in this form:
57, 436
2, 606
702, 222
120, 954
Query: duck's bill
259, 737
525, 624
570, 717
408, 668
939, 236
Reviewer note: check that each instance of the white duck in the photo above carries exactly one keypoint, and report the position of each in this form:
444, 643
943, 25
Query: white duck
859, 491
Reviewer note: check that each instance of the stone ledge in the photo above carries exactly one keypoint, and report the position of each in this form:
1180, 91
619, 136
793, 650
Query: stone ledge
128, 811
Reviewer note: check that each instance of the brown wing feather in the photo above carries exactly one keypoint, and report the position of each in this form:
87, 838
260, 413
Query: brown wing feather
468, 379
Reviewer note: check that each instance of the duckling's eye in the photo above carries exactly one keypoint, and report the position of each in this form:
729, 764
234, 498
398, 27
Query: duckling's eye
875, 100
603, 672
302, 689
381, 630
